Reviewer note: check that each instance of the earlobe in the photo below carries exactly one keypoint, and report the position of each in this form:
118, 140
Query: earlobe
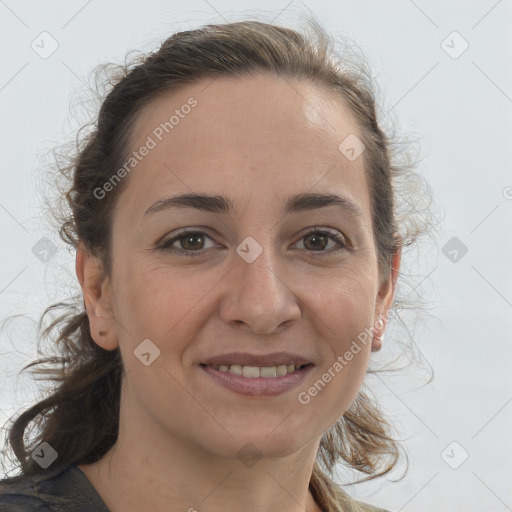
97, 298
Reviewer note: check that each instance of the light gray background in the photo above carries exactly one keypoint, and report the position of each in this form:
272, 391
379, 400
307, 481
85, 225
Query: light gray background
461, 110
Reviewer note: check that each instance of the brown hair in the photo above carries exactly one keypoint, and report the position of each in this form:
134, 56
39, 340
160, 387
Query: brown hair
80, 417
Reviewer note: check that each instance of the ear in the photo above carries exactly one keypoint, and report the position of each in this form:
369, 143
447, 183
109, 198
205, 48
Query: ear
97, 298
384, 301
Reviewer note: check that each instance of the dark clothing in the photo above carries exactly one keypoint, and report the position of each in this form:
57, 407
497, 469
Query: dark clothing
59, 489
67, 489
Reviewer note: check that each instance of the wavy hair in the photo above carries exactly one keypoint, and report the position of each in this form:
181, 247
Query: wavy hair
80, 416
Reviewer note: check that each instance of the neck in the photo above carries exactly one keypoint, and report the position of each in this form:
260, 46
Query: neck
158, 472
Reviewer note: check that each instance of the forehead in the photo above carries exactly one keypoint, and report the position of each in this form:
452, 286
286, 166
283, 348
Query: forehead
260, 138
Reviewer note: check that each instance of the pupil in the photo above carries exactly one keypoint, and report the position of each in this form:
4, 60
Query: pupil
317, 237
187, 239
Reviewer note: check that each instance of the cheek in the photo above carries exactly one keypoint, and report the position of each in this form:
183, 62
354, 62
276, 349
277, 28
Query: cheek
172, 306
155, 300
168, 306
346, 304
346, 311
165, 306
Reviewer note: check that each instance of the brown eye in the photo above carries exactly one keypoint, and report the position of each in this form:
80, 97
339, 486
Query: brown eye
318, 241
191, 243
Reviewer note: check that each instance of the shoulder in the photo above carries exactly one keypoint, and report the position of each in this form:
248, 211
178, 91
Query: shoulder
352, 505
61, 489
366, 507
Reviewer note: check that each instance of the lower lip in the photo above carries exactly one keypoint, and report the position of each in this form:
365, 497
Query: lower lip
260, 386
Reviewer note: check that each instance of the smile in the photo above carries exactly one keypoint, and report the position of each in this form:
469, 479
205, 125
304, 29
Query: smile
255, 372
257, 380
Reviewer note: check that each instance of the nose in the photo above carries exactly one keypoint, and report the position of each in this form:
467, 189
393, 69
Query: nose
260, 295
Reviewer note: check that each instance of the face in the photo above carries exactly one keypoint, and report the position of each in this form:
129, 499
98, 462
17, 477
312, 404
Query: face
271, 276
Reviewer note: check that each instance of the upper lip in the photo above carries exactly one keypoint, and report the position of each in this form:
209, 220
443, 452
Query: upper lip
247, 359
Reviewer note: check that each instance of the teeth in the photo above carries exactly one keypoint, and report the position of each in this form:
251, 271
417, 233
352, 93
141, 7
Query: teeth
268, 371
281, 370
253, 372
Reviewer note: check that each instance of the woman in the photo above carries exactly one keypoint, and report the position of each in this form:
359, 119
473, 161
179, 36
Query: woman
238, 248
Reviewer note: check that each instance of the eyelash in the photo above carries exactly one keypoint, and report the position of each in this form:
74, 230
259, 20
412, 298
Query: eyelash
333, 235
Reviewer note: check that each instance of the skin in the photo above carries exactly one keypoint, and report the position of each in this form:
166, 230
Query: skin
179, 430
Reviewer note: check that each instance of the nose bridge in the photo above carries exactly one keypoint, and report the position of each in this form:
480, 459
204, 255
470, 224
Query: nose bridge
260, 295
260, 268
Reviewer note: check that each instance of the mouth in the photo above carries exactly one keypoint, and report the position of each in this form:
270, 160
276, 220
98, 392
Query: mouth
256, 372
257, 381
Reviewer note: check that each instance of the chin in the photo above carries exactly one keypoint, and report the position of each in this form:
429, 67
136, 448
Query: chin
259, 442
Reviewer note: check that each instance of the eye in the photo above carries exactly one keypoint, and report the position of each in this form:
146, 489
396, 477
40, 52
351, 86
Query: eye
316, 240
190, 242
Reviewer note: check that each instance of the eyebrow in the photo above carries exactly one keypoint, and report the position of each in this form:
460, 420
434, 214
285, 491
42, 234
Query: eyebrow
225, 205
